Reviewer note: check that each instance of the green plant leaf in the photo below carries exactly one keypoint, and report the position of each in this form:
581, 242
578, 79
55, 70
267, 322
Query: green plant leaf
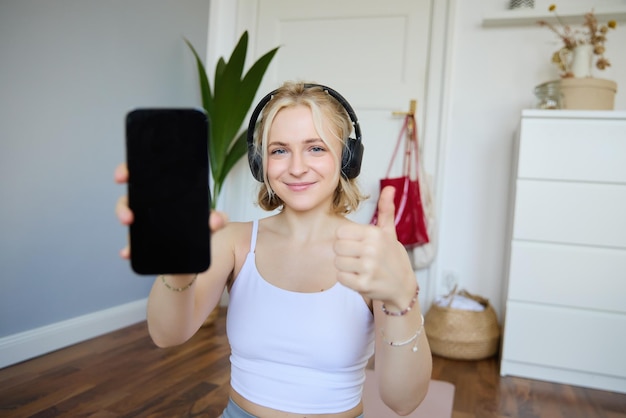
205, 87
238, 150
227, 106
219, 70
250, 85
219, 140
227, 90
207, 104
234, 68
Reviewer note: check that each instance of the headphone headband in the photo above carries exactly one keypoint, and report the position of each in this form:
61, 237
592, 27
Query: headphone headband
353, 150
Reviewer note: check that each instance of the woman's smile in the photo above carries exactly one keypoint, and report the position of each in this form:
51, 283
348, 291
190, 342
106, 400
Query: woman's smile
300, 186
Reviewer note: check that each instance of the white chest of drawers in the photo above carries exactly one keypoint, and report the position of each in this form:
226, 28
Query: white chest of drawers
565, 316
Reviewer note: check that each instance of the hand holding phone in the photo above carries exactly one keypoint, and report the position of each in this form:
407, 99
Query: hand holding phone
168, 190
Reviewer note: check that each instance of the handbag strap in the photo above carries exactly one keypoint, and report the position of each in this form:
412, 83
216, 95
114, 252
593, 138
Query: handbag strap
409, 132
395, 150
413, 145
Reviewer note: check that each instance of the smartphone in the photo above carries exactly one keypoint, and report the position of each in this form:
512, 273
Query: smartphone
168, 190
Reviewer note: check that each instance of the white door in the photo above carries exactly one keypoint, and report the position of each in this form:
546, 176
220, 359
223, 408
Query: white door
377, 54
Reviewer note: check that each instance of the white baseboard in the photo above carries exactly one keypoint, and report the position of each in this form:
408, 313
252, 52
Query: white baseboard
563, 376
32, 343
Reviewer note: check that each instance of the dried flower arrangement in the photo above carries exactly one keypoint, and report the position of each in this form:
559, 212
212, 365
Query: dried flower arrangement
591, 34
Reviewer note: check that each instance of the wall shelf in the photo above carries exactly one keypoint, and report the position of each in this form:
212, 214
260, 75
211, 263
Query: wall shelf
528, 17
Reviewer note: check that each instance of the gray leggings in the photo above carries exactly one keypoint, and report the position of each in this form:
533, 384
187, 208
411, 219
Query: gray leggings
234, 411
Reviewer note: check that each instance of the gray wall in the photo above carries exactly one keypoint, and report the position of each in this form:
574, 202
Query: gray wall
69, 71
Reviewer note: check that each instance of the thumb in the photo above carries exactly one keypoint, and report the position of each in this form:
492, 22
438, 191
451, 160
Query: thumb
386, 210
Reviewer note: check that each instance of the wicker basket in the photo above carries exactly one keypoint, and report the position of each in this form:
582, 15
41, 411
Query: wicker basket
462, 334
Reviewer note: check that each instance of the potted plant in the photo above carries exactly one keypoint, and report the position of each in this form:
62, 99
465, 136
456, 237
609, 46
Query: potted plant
227, 105
575, 59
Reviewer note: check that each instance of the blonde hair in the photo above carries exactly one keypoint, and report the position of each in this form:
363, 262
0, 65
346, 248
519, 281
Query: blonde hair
327, 113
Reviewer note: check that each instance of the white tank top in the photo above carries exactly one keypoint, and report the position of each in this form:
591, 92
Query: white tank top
297, 352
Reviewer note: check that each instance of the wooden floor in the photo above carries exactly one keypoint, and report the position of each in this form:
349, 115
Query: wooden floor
123, 374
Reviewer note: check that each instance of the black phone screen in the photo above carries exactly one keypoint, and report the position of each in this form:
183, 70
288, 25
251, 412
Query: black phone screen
168, 190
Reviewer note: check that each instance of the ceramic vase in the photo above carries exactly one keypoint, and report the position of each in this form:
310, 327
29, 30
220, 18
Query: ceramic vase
578, 61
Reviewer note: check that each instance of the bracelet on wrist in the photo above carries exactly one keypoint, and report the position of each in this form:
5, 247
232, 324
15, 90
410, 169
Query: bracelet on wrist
405, 310
405, 342
179, 289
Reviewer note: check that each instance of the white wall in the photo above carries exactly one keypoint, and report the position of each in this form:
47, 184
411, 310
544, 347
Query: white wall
494, 71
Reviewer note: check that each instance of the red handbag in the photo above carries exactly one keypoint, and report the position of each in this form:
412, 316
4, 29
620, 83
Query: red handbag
410, 218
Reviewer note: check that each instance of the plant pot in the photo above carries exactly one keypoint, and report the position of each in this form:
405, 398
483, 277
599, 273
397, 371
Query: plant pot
588, 93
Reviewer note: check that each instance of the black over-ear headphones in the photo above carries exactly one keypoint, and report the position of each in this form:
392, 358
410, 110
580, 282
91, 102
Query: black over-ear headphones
351, 155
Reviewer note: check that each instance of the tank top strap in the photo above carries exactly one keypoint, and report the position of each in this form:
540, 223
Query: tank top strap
255, 230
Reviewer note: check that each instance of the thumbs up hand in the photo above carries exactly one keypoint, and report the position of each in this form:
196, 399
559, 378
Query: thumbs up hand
386, 211
371, 260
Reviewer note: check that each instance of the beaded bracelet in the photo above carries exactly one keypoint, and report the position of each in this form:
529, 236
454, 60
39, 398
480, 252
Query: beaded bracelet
407, 309
402, 343
178, 289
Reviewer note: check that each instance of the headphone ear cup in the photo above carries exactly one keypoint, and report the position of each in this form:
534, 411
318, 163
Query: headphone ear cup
256, 165
254, 158
351, 158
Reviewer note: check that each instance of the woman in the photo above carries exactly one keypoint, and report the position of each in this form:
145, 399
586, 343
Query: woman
312, 294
